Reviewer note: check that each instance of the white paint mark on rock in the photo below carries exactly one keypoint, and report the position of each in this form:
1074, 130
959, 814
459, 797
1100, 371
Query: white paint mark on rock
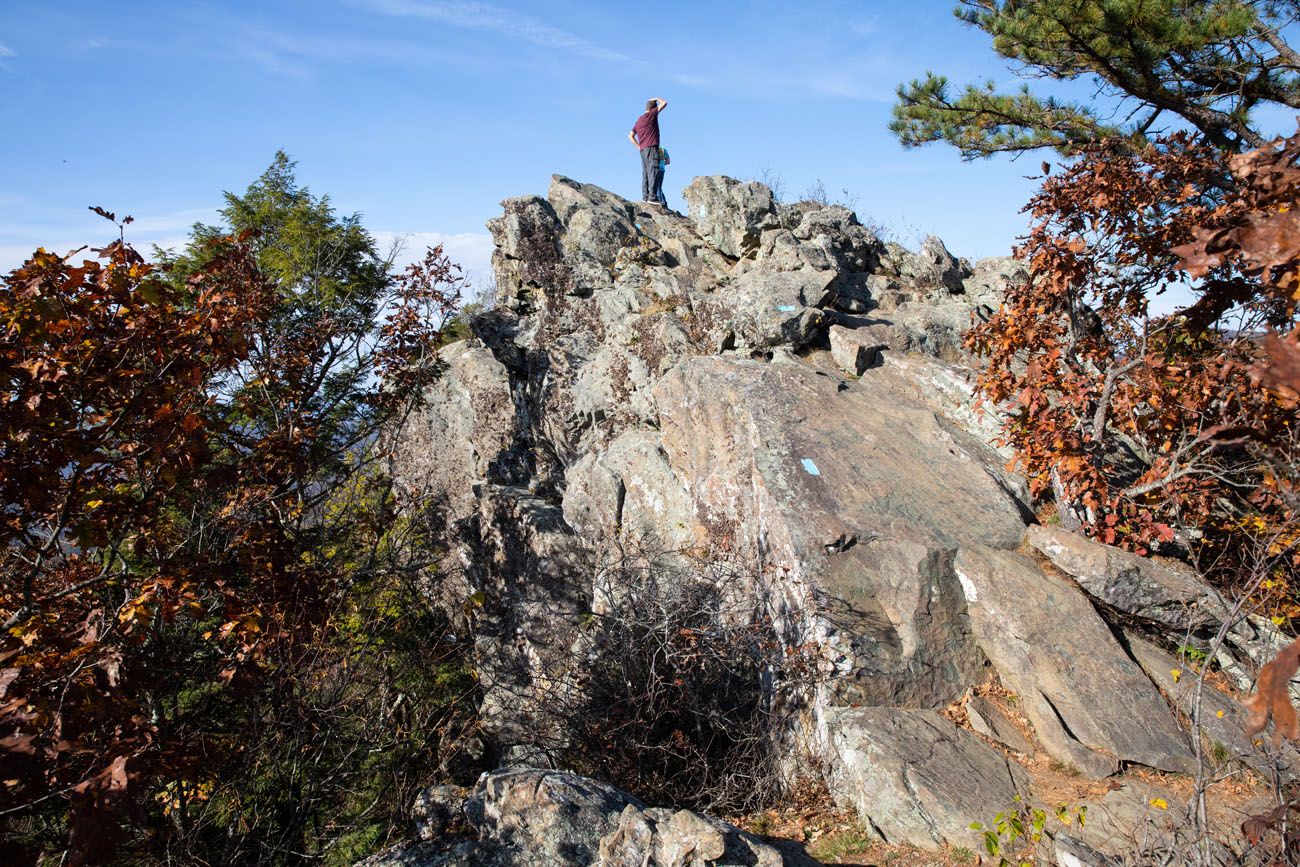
967, 587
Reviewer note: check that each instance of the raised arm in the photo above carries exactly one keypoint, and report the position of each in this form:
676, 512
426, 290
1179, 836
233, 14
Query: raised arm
663, 103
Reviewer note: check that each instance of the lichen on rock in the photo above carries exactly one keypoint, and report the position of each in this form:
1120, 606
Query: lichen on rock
772, 385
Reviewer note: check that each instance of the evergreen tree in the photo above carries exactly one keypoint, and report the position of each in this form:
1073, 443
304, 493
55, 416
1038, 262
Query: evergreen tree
331, 287
1203, 65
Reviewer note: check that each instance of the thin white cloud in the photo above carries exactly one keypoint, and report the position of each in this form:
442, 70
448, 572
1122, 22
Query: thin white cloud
297, 55
484, 16
339, 49
866, 26
69, 224
176, 220
6, 51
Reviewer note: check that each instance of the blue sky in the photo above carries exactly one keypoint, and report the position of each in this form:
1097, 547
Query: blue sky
423, 115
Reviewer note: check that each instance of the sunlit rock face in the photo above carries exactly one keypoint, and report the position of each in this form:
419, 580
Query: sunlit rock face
773, 386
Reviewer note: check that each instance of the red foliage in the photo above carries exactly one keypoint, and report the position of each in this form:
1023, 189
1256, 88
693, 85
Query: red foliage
1142, 425
1271, 698
165, 478
104, 377
1262, 238
413, 330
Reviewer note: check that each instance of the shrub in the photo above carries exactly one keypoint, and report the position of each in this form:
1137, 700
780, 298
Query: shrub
679, 694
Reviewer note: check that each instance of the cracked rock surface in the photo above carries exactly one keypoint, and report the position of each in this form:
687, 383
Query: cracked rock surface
773, 385
529, 817
915, 777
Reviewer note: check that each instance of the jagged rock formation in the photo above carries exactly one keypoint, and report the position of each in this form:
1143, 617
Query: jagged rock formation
530, 817
771, 383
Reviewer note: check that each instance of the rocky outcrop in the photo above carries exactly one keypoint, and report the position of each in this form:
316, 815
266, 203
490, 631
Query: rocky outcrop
773, 386
914, 777
1053, 663
1164, 592
1218, 718
807, 467
527, 817
988, 719
729, 215
1165, 598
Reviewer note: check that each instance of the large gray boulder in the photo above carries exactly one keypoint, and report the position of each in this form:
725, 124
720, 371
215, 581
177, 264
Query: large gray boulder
597, 227
730, 215
949, 390
759, 441
763, 310
929, 329
914, 327
661, 837
1162, 591
889, 614
915, 777
570, 199
1168, 598
538, 818
515, 817
991, 278
854, 349
934, 266
1091, 706
527, 259
465, 432
831, 237
1217, 719
629, 491
779, 250
813, 468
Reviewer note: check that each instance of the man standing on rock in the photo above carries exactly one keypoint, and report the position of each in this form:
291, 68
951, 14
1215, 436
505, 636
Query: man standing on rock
645, 135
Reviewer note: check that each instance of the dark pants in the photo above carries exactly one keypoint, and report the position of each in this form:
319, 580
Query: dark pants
659, 184
651, 177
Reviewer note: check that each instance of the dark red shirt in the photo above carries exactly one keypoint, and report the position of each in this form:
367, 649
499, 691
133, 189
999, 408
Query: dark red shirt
647, 129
